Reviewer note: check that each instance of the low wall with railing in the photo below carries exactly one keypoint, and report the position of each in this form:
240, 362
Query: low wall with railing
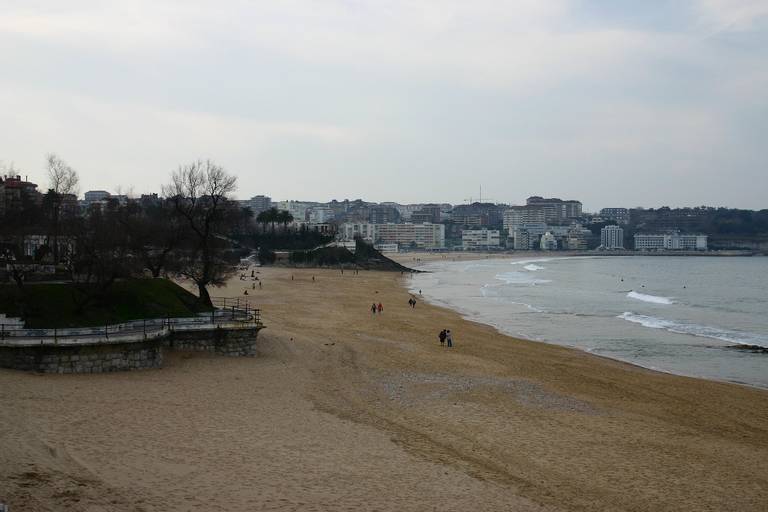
133, 345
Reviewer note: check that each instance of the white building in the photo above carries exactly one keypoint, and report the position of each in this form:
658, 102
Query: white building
320, 214
522, 240
424, 236
257, 204
473, 239
296, 208
94, 196
517, 216
670, 242
612, 237
548, 242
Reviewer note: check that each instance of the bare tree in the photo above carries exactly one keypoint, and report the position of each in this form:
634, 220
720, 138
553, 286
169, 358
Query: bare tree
156, 232
199, 193
63, 182
62, 178
101, 255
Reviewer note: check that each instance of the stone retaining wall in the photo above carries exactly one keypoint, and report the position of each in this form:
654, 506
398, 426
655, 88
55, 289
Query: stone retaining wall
84, 358
226, 342
140, 355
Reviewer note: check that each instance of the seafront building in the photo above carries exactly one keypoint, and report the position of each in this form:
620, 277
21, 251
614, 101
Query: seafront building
548, 242
515, 217
477, 239
423, 236
674, 241
612, 237
556, 210
320, 214
620, 215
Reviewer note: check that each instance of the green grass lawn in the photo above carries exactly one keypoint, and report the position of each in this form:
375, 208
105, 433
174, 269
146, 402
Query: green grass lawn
54, 305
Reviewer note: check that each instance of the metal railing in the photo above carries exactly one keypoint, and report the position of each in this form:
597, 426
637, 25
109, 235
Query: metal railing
229, 314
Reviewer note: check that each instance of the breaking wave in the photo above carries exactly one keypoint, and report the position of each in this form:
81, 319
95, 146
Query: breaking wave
701, 331
649, 298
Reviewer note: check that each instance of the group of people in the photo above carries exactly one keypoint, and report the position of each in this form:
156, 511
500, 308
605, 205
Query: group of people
412, 302
377, 308
446, 338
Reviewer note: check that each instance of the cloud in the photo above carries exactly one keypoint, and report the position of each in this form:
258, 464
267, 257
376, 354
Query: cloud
732, 15
122, 143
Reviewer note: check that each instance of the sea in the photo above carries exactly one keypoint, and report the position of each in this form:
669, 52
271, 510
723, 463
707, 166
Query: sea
681, 315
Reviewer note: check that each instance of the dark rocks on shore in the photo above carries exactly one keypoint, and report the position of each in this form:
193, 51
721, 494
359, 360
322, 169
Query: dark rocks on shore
757, 349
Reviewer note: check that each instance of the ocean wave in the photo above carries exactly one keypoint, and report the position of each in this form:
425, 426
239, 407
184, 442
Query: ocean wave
533, 267
520, 278
701, 331
538, 260
649, 298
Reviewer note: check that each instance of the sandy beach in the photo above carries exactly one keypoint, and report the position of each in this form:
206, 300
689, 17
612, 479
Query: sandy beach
344, 410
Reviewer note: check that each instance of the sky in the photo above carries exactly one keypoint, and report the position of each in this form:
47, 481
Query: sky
612, 102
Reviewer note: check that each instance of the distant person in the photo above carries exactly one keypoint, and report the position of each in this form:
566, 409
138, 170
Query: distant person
441, 336
253, 273
259, 285
245, 292
381, 308
419, 292
313, 279
373, 308
448, 338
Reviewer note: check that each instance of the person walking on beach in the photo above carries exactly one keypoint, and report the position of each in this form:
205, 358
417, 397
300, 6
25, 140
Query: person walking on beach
441, 336
448, 338
381, 308
373, 308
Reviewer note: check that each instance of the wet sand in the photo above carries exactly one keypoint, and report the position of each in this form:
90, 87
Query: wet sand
343, 410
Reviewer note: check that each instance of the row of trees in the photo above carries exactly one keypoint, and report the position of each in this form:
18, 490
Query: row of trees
185, 234
274, 216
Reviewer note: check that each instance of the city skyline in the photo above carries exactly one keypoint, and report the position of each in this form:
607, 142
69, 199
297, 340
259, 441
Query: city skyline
659, 104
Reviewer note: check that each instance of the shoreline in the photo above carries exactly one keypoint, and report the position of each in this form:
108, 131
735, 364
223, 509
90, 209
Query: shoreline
465, 316
542, 257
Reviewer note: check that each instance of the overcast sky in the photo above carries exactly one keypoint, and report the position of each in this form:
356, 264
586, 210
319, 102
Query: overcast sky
613, 102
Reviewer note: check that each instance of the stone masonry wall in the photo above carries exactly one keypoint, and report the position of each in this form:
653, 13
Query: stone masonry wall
226, 342
84, 358
138, 355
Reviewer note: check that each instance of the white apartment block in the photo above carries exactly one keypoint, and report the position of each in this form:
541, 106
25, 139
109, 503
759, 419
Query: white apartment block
424, 236
612, 237
516, 216
296, 208
670, 242
548, 242
320, 214
480, 239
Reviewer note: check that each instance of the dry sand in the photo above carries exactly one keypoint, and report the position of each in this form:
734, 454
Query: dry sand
346, 411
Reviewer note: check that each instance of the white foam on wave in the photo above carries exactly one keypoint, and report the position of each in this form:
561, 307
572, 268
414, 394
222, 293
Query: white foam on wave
701, 331
649, 298
520, 278
533, 267
538, 260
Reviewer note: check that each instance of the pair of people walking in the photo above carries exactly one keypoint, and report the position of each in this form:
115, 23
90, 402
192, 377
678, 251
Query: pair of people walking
412, 302
375, 308
446, 338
